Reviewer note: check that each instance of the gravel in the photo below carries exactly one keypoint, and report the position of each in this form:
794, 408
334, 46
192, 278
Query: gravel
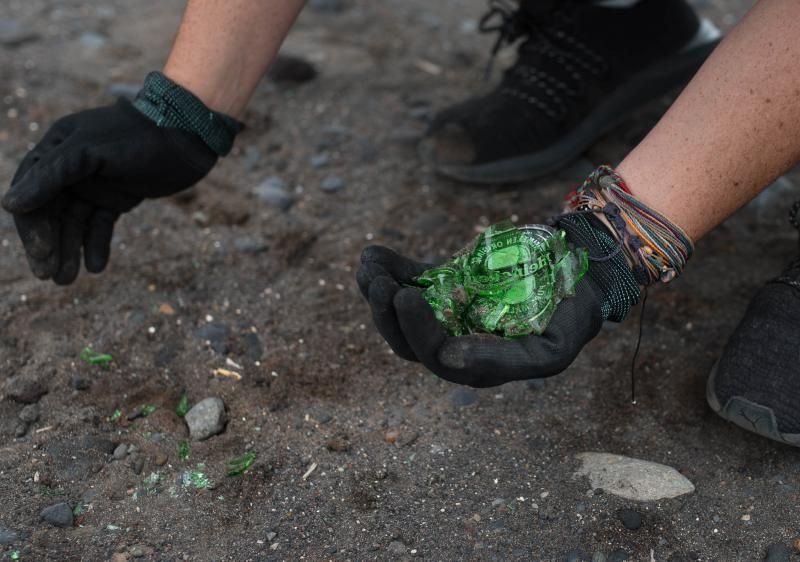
58, 515
206, 418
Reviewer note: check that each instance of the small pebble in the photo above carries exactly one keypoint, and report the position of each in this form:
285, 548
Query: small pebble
138, 465
58, 515
630, 518
24, 389
206, 418
120, 451
92, 40
796, 544
288, 68
20, 429
320, 160
7, 536
272, 191
618, 555
30, 413
575, 555
599, 557
461, 397
161, 459
80, 383
271, 535
332, 184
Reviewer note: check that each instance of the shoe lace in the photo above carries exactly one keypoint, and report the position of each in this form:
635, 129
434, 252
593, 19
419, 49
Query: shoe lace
548, 41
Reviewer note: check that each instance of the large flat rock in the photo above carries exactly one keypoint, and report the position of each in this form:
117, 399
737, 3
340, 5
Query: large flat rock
633, 479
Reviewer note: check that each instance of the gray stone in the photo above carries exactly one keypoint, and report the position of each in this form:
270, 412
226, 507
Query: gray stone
14, 34
320, 160
250, 245
396, 547
461, 397
58, 515
599, 557
20, 429
7, 536
271, 535
93, 40
25, 389
120, 451
272, 191
30, 413
206, 418
633, 479
576, 555
332, 184
630, 518
778, 553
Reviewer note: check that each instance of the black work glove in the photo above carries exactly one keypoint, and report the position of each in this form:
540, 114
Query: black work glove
89, 168
407, 322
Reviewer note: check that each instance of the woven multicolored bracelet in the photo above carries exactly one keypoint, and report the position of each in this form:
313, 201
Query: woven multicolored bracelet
656, 248
169, 104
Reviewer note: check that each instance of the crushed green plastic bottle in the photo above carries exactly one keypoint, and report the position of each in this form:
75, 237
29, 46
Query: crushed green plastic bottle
507, 282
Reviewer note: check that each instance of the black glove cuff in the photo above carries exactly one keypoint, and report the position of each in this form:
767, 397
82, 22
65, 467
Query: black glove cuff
170, 105
608, 267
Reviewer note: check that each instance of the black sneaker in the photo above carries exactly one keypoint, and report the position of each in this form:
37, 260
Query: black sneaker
756, 382
582, 68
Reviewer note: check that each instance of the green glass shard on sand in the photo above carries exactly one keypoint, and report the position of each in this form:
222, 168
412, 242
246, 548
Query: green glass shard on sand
507, 282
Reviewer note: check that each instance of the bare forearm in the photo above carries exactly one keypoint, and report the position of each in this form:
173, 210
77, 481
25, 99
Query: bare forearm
224, 47
732, 131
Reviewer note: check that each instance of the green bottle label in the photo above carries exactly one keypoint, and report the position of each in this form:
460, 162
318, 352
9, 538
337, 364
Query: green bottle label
507, 282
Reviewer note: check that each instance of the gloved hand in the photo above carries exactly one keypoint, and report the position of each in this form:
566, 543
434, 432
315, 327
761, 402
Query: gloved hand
407, 322
89, 168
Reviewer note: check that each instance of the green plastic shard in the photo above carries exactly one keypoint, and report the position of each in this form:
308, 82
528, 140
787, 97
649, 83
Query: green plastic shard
508, 282
183, 406
196, 478
116, 415
147, 409
14, 555
184, 450
93, 358
239, 465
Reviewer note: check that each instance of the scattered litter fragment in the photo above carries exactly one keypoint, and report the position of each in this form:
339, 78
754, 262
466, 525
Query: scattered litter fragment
183, 406
239, 465
147, 409
116, 415
196, 478
311, 469
231, 363
229, 374
93, 358
184, 449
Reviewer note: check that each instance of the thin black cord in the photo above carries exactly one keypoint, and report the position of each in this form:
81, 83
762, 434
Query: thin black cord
636, 352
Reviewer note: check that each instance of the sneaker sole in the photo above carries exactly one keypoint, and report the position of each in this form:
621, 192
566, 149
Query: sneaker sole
748, 414
634, 94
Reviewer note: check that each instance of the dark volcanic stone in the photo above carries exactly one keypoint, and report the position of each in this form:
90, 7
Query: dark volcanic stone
778, 553
24, 389
217, 337
30, 413
630, 518
576, 555
618, 555
7, 536
58, 515
288, 68
80, 383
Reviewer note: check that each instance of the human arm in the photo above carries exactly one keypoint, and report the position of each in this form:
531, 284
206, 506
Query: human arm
92, 166
725, 139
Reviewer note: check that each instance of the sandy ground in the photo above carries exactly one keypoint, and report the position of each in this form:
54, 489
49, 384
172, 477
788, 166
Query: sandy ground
401, 469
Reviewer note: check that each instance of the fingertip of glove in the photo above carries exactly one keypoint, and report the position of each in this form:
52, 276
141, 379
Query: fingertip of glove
381, 293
